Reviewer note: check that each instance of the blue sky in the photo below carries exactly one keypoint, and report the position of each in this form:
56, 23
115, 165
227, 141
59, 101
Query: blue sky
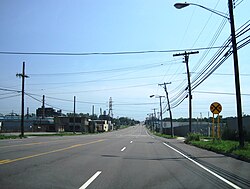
116, 26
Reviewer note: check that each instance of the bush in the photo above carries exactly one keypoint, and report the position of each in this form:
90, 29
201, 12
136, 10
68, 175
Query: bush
193, 137
229, 134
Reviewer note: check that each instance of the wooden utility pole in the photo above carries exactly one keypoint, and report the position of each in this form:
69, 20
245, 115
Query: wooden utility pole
236, 75
170, 112
186, 56
23, 76
43, 107
74, 116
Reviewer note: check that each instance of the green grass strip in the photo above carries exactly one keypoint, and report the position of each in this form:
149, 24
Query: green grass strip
164, 135
225, 146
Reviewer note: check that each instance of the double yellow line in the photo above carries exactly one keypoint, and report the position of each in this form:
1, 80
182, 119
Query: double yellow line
34, 143
46, 153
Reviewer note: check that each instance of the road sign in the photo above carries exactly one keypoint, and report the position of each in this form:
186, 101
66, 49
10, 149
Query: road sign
215, 108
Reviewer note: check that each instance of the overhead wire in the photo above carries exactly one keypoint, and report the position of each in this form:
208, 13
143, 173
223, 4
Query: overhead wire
220, 52
205, 25
220, 93
212, 65
115, 70
47, 103
217, 61
6, 97
99, 80
103, 53
106, 89
182, 86
181, 95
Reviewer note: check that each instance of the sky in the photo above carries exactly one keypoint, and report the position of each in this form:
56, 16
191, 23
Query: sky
78, 27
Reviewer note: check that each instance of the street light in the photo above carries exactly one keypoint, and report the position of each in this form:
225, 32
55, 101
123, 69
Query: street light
158, 96
183, 5
235, 56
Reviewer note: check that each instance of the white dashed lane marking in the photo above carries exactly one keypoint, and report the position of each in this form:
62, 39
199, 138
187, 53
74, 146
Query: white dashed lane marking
86, 184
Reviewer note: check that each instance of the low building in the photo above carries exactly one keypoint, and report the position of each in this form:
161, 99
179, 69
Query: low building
12, 123
67, 124
47, 112
43, 125
103, 125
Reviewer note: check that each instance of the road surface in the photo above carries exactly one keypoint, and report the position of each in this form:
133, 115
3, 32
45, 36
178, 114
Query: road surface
128, 158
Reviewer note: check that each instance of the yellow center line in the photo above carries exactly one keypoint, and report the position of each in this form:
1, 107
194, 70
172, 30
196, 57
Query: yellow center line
45, 153
34, 143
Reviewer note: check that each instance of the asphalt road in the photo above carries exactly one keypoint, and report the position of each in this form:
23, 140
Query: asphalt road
128, 158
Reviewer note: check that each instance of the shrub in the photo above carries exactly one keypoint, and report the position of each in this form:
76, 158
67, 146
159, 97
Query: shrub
193, 137
229, 134
232, 134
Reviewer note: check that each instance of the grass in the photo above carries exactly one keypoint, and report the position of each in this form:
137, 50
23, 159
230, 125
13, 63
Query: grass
226, 147
2, 137
164, 135
123, 126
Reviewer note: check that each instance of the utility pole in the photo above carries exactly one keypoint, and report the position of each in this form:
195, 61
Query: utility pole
100, 111
236, 74
93, 110
74, 116
186, 56
161, 129
110, 107
28, 112
43, 107
170, 112
23, 76
154, 117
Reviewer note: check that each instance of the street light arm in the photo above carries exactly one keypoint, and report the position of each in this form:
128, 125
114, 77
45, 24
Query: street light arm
183, 5
156, 96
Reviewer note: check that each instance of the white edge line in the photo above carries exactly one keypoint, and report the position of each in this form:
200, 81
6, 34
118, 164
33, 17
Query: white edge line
86, 184
203, 167
123, 149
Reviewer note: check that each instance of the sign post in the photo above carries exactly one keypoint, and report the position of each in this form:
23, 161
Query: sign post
216, 108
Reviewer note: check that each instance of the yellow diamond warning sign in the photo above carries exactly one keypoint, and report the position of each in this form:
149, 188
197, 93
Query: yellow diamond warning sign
215, 108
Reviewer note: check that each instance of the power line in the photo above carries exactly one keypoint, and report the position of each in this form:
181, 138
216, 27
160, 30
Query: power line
134, 104
227, 74
102, 80
47, 103
13, 90
104, 53
218, 59
107, 89
9, 96
220, 56
140, 67
78, 101
219, 93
